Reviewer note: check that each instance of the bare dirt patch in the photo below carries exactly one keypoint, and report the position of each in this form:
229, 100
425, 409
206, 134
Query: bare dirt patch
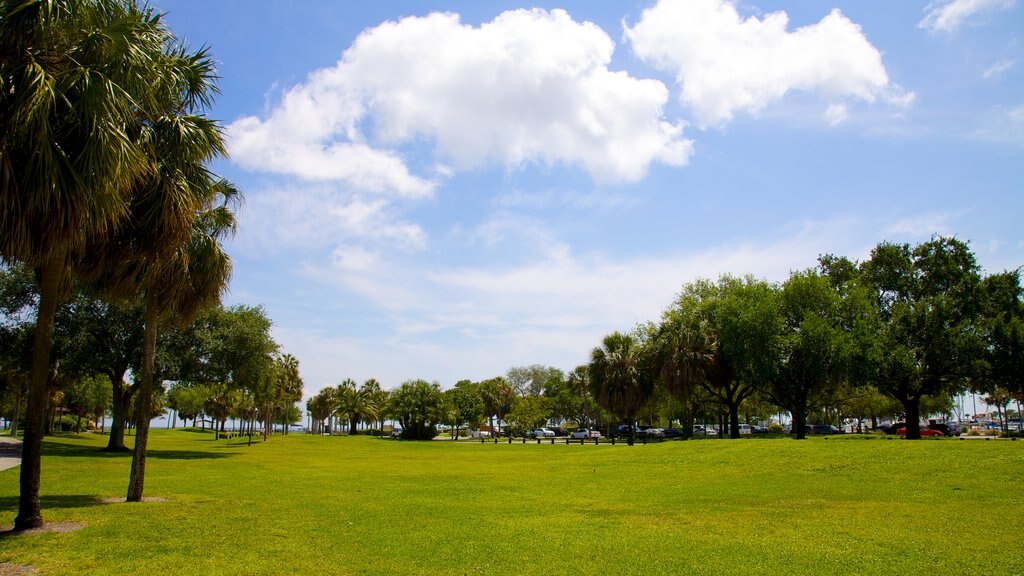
7, 569
122, 500
48, 527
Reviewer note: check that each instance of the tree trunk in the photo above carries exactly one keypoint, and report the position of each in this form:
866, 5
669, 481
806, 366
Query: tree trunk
144, 403
120, 402
29, 513
912, 407
734, 420
800, 423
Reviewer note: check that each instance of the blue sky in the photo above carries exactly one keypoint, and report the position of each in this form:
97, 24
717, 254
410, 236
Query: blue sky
445, 190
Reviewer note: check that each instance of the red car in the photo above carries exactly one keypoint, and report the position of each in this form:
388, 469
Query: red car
924, 432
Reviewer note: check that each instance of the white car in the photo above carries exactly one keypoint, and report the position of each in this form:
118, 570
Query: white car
541, 433
584, 434
480, 434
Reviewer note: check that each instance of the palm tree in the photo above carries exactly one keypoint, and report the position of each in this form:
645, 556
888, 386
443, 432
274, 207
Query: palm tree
620, 378
683, 352
169, 249
74, 77
290, 385
376, 400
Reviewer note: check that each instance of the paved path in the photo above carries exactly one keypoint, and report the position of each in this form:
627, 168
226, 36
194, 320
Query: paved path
10, 452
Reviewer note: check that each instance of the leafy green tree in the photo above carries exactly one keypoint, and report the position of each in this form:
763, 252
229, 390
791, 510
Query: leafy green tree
621, 378
465, 404
416, 406
815, 350
926, 305
1002, 330
88, 397
528, 412
188, 399
866, 402
532, 380
729, 336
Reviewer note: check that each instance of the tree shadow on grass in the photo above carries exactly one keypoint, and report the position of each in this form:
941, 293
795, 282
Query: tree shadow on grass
49, 502
69, 450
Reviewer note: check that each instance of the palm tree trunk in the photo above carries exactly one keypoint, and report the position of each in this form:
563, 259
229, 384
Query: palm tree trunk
144, 403
29, 513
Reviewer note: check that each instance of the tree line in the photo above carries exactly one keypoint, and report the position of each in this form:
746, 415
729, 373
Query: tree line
899, 334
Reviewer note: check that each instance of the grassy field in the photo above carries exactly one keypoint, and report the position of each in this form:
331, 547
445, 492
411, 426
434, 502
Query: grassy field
320, 505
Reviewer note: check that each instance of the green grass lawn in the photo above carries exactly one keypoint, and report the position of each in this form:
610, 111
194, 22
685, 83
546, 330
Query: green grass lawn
320, 505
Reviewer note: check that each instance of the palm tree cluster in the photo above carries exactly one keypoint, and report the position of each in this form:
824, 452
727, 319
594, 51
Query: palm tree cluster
104, 155
350, 403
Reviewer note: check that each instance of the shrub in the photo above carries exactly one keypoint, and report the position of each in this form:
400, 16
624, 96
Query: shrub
776, 429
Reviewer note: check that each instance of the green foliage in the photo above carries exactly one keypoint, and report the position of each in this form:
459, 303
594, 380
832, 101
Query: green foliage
926, 306
620, 376
528, 412
417, 406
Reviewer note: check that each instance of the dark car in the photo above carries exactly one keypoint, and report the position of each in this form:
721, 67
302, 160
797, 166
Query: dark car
892, 428
755, 429
559, 432
823, 429
673, 433
622, 431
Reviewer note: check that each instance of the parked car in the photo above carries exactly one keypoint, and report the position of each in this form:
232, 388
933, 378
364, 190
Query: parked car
396, 431
653, 434
945, 429
623, 431
823, 429
541, 433
559, 432
754, 428
745, 430
924, 432
582, 434
673, 433
701, 430
480, 434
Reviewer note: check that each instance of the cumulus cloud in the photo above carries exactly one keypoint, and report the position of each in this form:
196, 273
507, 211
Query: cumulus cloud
529, 87
726, 63
949, 16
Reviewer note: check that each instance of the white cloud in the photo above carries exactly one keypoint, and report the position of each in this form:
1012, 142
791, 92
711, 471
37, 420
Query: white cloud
448, 322
836, 114
998, 69
322, 216
531, 86
727, 64
924, 225
949, 16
